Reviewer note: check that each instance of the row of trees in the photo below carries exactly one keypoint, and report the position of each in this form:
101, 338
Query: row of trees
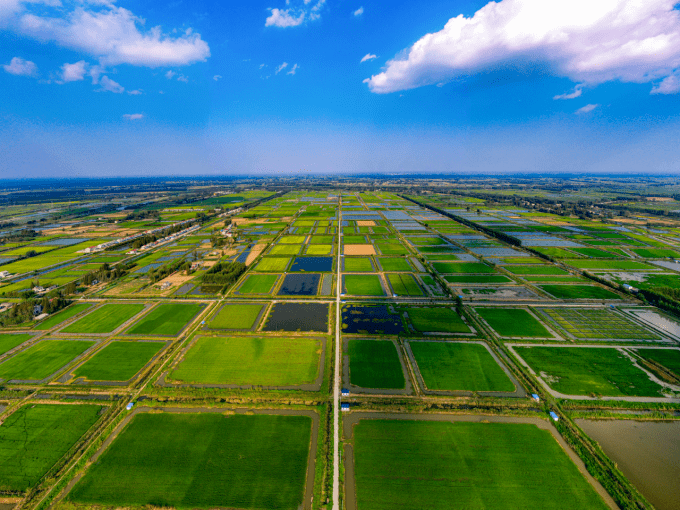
24, 311
224, 273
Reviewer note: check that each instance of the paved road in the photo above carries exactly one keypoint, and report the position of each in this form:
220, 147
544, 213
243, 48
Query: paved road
336, 381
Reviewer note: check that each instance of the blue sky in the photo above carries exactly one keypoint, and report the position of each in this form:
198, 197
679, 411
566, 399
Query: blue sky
100, 88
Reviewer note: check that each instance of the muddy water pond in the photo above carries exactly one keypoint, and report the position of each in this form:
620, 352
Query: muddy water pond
647, 452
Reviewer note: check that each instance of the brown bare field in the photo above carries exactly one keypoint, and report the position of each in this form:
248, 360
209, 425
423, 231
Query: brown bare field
366, 223
255, 252
659, 199
359, 249
176, 279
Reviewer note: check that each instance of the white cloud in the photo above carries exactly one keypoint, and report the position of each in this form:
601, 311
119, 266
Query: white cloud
294, 16
293, 69
170, 74
359, 11
20, 67
578, 90
183, 78
135, 92
112, 34
368, 57
588, 42
281, 68
261, 66
217, 77
73, 72
108, 85
283, 18
586, 109
669, 85
133, 116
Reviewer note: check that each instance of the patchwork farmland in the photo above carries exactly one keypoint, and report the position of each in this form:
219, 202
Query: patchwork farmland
331, 348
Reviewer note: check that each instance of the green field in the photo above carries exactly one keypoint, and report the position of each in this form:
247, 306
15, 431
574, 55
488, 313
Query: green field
536, 269
585, 371
269, 361
437, 320
598, 323
35, 437
391, 248
352, 239
258, 284
456, 366
462, 267
594, 253
104, 319
319, 249
118, 361
358, 264
62, 316
167, 319
375, 364
9, 341
614, 265
285, 249
362, 285
272, 264
579, 292
668, 358
556, 278
293, 239
232, 316
476, 278
395, 264
655, 253
453, 466
513, 322
206, 460
404, 284
42, 359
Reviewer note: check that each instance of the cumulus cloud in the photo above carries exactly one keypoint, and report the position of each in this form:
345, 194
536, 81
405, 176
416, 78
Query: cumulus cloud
578, 90
281, 68
108, 85
73, 72
586, 109
293, 69
294, 16
112, 34
669, 85
217, 77
283, 18
585, 41
170, 74
368, 57
20, 67
135, 92
183, 78
359, 11
133, 116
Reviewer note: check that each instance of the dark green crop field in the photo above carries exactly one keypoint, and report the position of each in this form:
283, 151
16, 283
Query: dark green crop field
462, 267
118, 361
585, 370
456, 366
404, 284
513, 322
273, 361
363, 285
579, 292
35, 437
63, 315
536, 269
42, 359
358, 264
443, 465
394, 264
105, 319
167, 319
258, 284
375, 364
476, 278
9, 341
234, 316
204, 460
440, 319
668, 358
